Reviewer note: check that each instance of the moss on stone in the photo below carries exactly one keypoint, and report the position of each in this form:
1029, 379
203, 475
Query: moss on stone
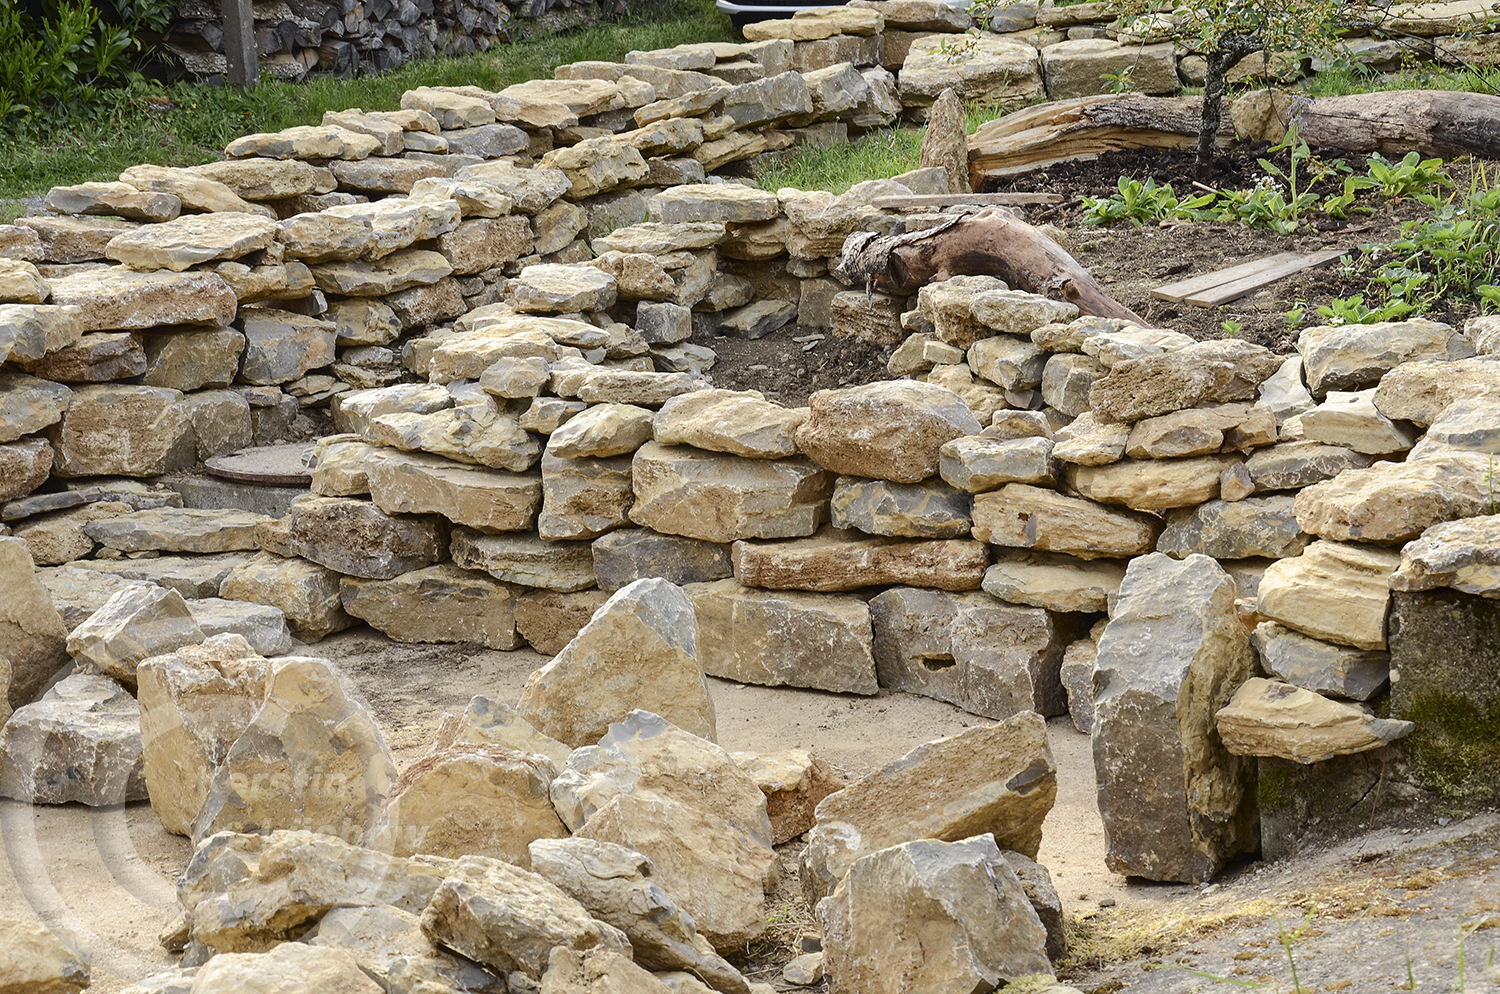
1455, 749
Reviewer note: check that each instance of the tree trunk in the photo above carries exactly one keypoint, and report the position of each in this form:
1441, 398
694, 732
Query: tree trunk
1431, 122
990, 243
1208, 127
1084, 128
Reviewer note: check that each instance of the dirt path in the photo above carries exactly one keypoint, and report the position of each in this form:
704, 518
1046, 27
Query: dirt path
109, 874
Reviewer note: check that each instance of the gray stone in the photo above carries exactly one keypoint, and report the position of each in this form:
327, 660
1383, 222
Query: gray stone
1351, 356
1294, 465
1173, 649
995, 778
439, 603
639, 652
356, 538
583, 498
1257, 526
931, 915
308, 594
629, 554
784, 638
525, 560
81, 743
281, 346
1337, 670
986, 657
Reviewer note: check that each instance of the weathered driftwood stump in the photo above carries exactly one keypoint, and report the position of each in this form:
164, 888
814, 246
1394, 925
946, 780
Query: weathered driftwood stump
991, 243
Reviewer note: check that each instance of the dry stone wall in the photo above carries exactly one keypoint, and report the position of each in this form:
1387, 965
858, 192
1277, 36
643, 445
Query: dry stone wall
1216, 559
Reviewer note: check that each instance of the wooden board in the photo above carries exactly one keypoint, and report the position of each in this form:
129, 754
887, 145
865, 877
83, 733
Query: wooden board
1178, 292
920, 200
1236, 289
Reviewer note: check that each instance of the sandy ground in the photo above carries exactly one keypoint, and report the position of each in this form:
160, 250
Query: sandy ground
109, 874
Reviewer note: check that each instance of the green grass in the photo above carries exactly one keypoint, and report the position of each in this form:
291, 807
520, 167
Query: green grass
1417, 76
876, 155
188, 123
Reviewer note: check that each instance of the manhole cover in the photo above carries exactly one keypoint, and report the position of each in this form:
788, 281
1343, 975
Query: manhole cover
267, 465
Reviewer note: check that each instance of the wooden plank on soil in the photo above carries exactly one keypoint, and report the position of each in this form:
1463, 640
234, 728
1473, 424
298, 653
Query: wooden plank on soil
1226, 292
1177, 292
917, 200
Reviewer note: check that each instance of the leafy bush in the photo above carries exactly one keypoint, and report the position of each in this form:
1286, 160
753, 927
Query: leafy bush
1139, 202
55, 63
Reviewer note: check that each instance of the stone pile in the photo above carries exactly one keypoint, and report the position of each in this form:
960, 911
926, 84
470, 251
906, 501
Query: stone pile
1189, 547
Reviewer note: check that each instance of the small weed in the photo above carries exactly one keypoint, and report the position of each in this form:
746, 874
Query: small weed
1139, 202
1118, 82
1231, 327
1352, 310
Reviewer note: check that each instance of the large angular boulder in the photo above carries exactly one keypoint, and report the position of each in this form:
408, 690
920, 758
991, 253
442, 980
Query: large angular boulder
891, 430
470, 799
1153, 484
32, 636
81, 743
356, 538
1270, 718
29, 404
931, 916
721, 498
786, 638
618, 887
178, 529
996, 778
255, 891
1207, 372
510, 919
989, 658
312, 758
114, 429
35, 959
132, 626
195, 703
441, 603
1334, 591
1024, 517
584, 498
640, 651
1176, 804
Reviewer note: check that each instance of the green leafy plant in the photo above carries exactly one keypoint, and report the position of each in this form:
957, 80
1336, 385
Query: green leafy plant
1118, 82
1139, 202
1352, 310
1412, 175
1231, 327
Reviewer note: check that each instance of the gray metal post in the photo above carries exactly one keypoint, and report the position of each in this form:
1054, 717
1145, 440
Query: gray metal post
239, 44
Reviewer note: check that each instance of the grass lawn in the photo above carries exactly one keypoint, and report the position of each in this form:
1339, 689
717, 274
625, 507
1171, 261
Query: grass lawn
188, 123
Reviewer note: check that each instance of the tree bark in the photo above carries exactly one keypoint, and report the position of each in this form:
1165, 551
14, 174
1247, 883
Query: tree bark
1085, 128
990, 243
1431, 122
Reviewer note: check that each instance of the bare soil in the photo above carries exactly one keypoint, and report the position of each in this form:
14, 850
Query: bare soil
1129, 262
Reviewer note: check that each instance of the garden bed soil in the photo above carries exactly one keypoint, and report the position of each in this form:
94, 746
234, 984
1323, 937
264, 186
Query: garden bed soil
1130, 261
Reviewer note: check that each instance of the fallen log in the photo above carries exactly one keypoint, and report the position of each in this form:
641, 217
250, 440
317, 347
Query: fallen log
991, 243
1430, 122
1084, 128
